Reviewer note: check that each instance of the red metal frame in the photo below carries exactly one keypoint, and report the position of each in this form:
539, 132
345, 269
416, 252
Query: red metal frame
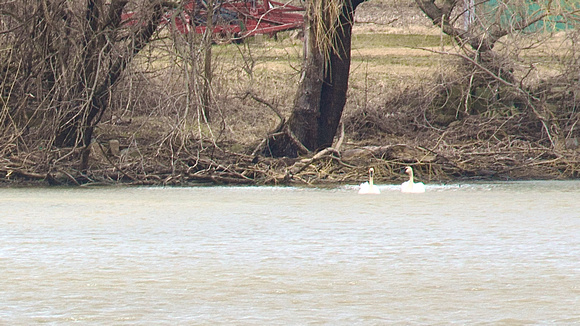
235, 19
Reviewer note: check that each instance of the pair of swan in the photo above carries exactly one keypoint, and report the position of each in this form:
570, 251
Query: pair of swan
408, 186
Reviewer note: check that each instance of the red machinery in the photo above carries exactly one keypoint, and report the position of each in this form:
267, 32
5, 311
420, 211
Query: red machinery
235, 19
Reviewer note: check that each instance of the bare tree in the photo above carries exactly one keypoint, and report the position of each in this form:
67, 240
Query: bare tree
63, 60
494, 39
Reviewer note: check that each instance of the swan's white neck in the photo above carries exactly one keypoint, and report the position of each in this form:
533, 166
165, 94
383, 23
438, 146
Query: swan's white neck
410, 173
411, 186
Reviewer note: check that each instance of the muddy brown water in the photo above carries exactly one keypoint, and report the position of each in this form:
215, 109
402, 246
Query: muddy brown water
469, 254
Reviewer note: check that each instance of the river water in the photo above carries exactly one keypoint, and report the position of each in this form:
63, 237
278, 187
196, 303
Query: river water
469, 254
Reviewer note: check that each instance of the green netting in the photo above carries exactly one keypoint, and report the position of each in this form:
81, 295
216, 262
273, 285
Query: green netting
562, 14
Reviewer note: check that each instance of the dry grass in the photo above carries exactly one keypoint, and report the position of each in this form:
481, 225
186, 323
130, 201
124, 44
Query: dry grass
386, 59
392, 85
390, 118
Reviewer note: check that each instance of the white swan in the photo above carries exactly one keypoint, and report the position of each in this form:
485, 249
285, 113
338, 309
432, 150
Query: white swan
411, 186
369, 187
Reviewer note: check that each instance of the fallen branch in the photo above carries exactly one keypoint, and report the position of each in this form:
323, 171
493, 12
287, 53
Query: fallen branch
303, 164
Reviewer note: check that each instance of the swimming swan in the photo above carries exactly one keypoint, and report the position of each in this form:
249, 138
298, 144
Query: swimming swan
369, 187
410, 186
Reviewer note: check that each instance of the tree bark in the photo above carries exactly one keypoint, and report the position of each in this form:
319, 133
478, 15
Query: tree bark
335, 83
321, 93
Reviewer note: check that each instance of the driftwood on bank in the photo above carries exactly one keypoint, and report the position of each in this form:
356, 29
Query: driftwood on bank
327, 166
471, 150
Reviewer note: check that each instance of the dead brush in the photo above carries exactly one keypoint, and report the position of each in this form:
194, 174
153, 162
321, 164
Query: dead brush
401, 115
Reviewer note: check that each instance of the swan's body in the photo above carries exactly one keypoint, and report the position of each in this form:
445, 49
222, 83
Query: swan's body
411, 186
369, 187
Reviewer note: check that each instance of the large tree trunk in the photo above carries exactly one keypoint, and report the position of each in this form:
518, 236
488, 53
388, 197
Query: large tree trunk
321, 94
335, 84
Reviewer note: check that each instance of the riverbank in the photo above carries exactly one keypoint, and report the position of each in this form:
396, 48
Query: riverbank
476, 149
404, 107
